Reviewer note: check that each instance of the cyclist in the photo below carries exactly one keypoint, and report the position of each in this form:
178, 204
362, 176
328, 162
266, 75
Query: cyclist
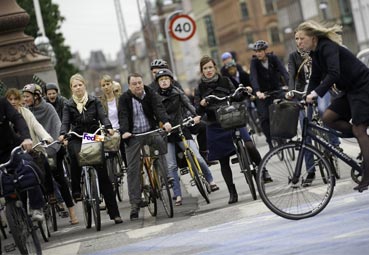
334, 64
140, 110
47, 116
177, 104
155, 66
220, 141
82, 113
266, 74
299, 69
233, 70
109, 101
10, 116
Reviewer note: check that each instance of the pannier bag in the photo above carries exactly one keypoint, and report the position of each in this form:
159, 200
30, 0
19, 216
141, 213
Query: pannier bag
92, 150
112, 143
284, 118
232, 116
23, 174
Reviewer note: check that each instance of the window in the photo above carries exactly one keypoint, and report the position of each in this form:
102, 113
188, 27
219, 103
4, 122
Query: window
244, 9
269, 6
210, 31
274, 35
249, 38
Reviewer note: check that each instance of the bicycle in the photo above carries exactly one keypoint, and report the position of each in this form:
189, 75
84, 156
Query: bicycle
248, 168
90, 184
20, 224
116, 168
154, 177
194, 168
288, 197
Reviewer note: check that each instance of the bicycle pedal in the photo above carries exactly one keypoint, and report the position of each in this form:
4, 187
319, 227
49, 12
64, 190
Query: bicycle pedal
10, 247
192, 183
234, 160
184, 171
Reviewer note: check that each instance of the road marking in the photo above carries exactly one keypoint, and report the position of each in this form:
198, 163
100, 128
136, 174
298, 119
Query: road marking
69, 249
137, 233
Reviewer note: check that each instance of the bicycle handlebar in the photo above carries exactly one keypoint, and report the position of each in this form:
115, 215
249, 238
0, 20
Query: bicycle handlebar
158, 130
209, 98
68, 135
44, 144
187, 122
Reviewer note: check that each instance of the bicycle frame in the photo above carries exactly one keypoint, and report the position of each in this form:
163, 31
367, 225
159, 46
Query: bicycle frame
308, 131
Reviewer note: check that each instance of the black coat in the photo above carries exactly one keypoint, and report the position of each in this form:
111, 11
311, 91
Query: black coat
87, 121
8, 114
334, 64
297, 81
152, 107
263, 79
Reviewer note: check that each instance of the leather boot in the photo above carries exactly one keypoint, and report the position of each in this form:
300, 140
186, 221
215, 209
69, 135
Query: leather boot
72, 215
233, 196
204, 154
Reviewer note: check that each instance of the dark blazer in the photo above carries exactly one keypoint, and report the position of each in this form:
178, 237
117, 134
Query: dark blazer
294, 62
87, 121
263, 79
151, 105
334, 64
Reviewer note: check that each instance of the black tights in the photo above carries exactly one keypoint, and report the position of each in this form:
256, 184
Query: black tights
333, 120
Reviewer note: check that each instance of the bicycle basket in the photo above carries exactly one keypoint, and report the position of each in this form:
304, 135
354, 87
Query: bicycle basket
283, 118
232, 116
112, 143
154, 144
91, 154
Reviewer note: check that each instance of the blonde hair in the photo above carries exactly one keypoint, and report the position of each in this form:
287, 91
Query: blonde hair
313, 28
106, 78
77, 76
13, 92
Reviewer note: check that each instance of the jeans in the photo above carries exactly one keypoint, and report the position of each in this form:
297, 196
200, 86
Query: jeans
173, 168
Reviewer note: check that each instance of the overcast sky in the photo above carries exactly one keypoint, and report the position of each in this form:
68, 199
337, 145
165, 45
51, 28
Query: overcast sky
92, 24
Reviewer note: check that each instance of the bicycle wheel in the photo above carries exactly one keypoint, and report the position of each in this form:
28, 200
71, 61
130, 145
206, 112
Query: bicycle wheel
162, 186
95, 198
291, 154
199, 180
53, 217
244, 161
148, 192
45, 225
119, 177
21, 227
87, 214
291, 199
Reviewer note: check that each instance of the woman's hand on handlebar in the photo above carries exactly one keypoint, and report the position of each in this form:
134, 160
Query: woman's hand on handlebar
167, 126
196, 119
204, 102
260, 95
126, 135
27, 144
111, 131
310, 98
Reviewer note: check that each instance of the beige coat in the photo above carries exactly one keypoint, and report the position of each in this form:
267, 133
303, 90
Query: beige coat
36, 130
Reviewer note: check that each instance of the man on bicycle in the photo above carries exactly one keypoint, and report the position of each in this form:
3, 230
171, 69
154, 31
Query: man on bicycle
140, 110
267, 74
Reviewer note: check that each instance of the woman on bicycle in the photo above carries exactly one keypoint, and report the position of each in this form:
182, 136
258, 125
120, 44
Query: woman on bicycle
109, 101
82, 113
220, 141
177, 105
333, 64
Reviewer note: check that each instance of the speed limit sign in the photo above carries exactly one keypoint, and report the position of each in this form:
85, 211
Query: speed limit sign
182, 27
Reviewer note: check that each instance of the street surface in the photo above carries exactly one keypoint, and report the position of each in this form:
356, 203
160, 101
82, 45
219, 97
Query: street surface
247, 227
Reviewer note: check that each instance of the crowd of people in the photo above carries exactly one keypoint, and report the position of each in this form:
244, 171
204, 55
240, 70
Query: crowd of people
319, 64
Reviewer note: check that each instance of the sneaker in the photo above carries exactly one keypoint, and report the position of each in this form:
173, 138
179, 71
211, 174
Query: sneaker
37, 215
309, 179
266, 177
134, 212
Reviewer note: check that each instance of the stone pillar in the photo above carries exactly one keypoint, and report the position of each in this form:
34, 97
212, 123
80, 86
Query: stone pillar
19, 57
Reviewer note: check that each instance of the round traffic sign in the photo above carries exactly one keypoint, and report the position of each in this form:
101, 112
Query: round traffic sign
182, 27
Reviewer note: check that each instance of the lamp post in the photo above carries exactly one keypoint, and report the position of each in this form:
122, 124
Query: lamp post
323, 6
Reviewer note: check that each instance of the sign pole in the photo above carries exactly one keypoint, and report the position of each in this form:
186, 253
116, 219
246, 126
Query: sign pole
169, 40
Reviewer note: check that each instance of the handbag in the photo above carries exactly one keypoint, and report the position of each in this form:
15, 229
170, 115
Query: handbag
92, 150
232, 116
112, 143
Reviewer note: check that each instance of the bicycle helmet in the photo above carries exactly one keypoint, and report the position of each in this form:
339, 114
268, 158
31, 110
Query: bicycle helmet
163, 72
260, 45
33, 89
52, 86
159, 63
229, 64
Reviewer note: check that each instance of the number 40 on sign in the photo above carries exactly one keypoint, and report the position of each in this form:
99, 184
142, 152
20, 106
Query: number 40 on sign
182, 27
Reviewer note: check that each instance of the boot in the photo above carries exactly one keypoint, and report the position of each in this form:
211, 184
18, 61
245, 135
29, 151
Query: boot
72, 215
363, 185
204, 154
233, 196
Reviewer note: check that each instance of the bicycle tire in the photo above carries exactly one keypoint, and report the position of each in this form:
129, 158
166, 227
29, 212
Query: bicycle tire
119, 178
2, 228
148, 192
20, 225
244, 161
95, 198
45, 225
162, 186
289, 200
291, 153
87, 214
194, 164
53, 215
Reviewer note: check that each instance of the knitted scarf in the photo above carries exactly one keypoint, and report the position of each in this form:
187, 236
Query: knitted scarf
209, 80
80, 102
